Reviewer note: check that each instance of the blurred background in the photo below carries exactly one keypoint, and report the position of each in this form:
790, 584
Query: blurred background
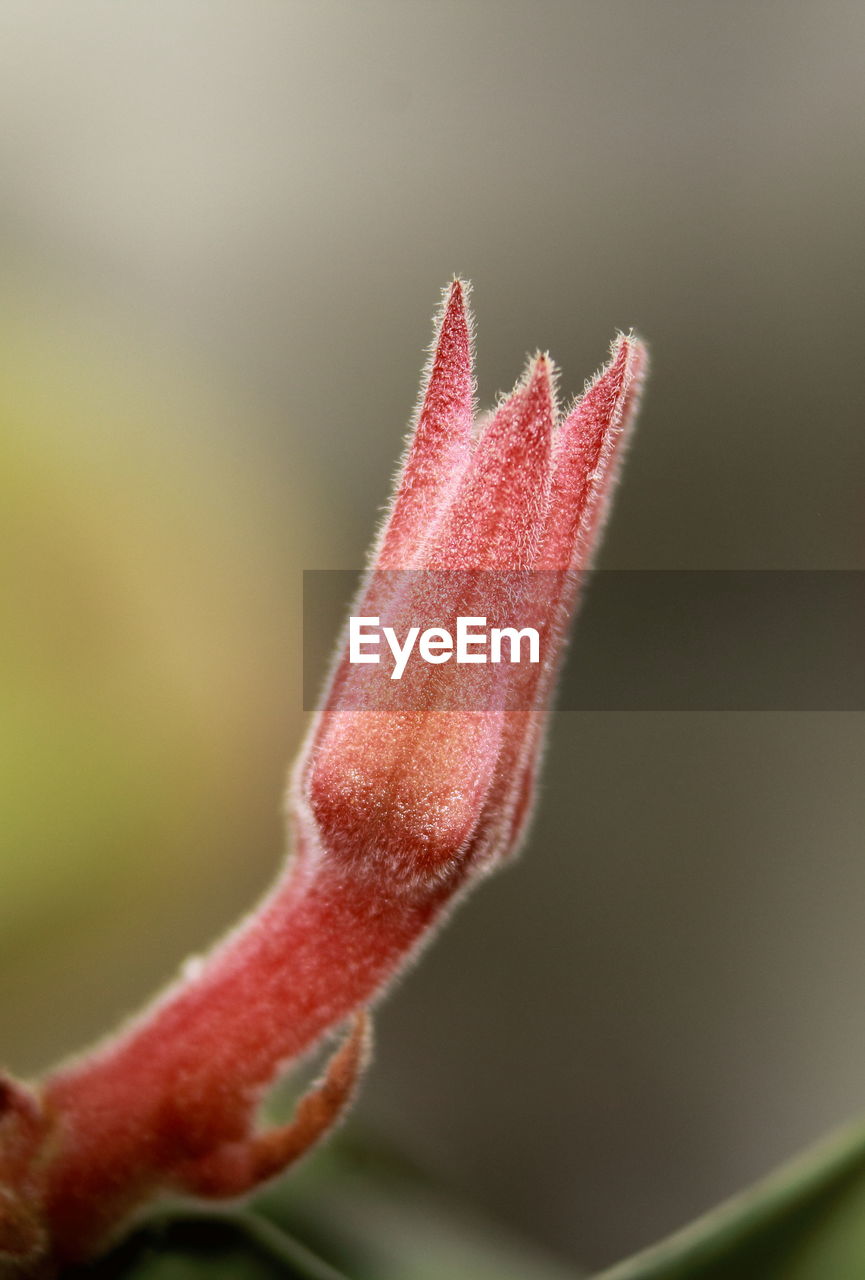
223, 230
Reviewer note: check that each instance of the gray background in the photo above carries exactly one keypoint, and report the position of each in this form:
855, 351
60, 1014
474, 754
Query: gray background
663, 997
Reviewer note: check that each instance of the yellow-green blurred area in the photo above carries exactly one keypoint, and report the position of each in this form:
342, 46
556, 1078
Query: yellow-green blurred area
223, 231
148, 643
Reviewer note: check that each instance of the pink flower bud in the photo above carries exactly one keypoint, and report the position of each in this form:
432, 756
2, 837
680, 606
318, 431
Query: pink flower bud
417, 795
398, 801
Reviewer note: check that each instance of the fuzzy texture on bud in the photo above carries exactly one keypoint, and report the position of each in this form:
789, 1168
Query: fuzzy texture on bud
394, 812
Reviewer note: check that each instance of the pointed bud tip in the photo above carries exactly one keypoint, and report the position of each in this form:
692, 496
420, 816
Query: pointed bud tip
626, 367
454, 320
539, 382
631, 350
456, 295
540, 367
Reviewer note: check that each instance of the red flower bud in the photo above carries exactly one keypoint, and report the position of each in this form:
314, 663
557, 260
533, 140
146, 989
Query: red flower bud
396, 804
414, 793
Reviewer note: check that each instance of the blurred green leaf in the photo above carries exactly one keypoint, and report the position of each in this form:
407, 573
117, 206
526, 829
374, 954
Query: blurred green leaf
361, 1212
206, 1246
804, 1222
381, 1218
